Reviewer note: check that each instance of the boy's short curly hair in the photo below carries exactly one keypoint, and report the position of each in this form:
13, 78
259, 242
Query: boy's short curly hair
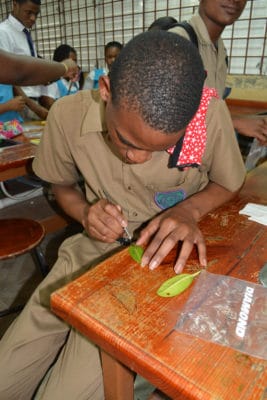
160, 75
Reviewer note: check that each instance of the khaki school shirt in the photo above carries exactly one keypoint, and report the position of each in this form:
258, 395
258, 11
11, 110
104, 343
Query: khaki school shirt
75, 142
214, 58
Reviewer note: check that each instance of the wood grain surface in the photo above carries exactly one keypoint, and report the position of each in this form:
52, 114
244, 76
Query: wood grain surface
115, 305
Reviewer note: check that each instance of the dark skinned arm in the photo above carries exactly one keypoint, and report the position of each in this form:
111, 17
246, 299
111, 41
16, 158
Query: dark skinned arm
25, 70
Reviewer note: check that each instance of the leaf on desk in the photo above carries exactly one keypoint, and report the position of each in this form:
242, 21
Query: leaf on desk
176, 284
136, 252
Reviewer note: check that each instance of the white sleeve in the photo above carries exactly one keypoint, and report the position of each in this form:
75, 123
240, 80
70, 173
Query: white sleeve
5, 41
51, 91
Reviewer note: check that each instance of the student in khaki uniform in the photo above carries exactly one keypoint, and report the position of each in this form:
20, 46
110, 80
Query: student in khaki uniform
141, 143
209, 23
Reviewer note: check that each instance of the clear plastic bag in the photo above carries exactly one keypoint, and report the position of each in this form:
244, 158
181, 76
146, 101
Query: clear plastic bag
227, 311
257, 152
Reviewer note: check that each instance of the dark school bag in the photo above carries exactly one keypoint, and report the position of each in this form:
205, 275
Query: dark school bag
192, 34
189, 29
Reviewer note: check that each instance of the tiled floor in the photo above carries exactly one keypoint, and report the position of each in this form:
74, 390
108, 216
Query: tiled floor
19, 277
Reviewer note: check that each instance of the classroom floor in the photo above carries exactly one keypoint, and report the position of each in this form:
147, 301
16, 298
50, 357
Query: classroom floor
19, 277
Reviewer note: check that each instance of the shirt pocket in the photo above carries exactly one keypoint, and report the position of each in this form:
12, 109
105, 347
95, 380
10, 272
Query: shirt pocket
164, 196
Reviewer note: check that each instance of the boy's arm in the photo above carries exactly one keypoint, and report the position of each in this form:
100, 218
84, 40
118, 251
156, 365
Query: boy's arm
71, 199
179, 223
102, 220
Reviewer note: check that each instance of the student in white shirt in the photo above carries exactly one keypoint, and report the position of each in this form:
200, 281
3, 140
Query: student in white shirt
63, 86
14, 34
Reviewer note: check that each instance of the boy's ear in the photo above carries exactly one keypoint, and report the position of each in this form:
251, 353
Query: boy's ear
104, 87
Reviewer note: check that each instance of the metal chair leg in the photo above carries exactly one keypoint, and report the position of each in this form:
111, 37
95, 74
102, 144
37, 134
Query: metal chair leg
39, 255
11, 310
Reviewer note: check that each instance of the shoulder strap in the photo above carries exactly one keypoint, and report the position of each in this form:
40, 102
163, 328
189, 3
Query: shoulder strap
189, 29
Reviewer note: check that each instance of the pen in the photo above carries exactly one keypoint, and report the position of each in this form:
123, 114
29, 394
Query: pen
129, 237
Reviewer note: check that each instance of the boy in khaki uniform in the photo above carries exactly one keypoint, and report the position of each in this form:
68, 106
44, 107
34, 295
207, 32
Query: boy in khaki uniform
209, 23
141, 144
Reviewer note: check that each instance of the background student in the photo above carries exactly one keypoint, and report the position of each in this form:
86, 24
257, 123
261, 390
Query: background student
112, 50
10, 106
16, 38
209, 23
63, 86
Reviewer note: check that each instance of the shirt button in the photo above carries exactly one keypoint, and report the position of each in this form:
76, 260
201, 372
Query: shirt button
135, 214
129, 188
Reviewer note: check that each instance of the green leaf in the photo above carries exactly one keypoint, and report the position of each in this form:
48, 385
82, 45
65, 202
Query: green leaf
176, 285
136, 252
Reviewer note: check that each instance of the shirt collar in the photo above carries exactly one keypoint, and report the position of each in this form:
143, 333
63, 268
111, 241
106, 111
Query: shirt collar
96, 108
202, 31
16, 23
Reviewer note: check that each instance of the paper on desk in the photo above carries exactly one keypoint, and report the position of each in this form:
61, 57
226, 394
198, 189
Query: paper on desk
256, 213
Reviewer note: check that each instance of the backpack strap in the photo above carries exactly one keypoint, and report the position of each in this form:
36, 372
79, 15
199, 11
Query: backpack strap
189, 29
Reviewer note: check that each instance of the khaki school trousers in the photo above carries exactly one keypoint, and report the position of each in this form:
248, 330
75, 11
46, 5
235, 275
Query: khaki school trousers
39, 341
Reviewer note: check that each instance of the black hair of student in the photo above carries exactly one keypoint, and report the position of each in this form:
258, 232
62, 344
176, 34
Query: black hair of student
163, 23
37, 2
160, 76
62, 52
113, 44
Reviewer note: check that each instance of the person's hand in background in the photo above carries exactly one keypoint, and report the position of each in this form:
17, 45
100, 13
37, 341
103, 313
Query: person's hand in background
72, 70
252, 127
16, 104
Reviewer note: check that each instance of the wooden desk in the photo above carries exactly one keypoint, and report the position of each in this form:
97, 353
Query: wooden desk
239, 106
116, 306
16, 160
255, 188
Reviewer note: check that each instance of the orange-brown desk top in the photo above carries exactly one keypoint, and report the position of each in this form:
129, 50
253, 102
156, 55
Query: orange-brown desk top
116, 306
252, 107
16, 160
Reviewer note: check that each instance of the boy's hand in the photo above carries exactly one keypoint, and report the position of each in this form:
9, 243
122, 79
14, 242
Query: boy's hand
165, 231
104, 221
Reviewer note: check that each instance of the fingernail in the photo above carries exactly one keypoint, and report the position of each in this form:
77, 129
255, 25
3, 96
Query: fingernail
123, 224
204, 262
144, 262
178, 268
153, 265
